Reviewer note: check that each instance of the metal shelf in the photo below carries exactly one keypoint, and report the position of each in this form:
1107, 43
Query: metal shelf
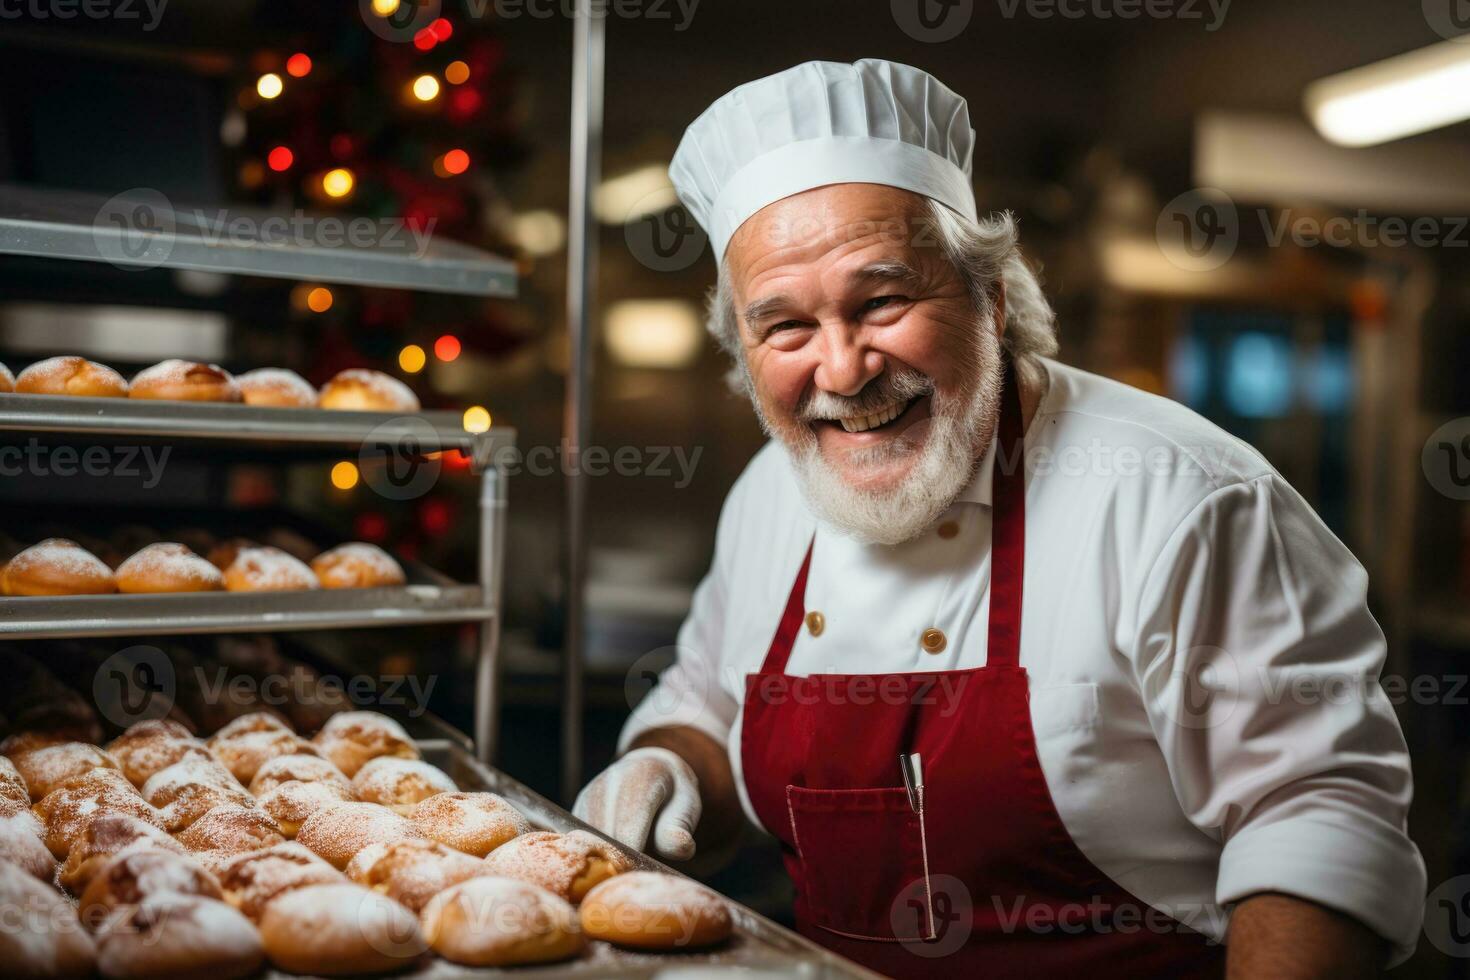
66, 617
265, 427
146, 231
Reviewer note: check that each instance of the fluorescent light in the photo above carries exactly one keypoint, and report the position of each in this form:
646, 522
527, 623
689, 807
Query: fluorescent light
632, 195
653, 333
1412, 93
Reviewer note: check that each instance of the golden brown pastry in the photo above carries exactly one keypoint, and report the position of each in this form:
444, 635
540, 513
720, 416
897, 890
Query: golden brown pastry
567, 865
399, 784
296, 768
167, 567
500, 922
357, 565
14, 796
336, 833
46, 769
231, 829
190, 788
107, 836
276, 388
169, 936
151, 746
255, 721
476, 823
185, 381
352, 738
171, 782
268, 570
129, 878
362, 390
75, 376
252, 879
57, 566
222, 555
656, 911
340, 930
67, 810
244, 754
26, 741
7, 380
411, 871
20, 844
63, 953
291, 802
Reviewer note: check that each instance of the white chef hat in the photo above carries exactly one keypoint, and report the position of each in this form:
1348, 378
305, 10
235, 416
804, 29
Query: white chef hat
824, 122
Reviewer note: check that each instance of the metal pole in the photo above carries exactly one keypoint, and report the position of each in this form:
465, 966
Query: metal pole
492, 565
586, 165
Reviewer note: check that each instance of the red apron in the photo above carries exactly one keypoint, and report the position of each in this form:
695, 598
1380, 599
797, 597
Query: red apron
976, 877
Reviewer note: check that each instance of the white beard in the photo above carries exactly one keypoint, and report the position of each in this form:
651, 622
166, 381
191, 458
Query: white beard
946, 448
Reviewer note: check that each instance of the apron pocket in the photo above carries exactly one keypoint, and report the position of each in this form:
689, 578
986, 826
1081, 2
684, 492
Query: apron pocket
862, 861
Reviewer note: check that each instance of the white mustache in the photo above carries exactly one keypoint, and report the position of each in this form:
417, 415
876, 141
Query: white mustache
898, 387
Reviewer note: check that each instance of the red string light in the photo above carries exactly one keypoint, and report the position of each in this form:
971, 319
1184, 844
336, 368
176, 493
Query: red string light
298, 65
280, 158
447, 347
456, 161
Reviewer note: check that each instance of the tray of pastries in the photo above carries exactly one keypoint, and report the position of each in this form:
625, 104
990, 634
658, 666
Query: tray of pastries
86, 575
354, 850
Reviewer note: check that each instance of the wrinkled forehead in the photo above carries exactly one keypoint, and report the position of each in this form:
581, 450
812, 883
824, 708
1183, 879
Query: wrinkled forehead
832, 224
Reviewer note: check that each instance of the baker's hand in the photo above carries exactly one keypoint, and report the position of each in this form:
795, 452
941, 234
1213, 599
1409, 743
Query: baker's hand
647, 788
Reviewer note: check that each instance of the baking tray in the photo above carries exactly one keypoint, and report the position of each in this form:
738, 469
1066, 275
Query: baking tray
68, 617
759, 947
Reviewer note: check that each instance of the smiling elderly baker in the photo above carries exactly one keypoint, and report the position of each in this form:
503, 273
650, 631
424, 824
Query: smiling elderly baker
1005, 720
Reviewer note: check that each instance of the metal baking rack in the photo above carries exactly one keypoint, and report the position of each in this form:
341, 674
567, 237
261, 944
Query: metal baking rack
81, 227
143, 229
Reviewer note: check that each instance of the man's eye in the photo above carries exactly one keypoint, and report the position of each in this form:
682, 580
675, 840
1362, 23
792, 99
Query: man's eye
877, 302
783, 325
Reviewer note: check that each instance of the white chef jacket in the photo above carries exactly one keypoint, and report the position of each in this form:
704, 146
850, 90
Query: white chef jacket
1202, 663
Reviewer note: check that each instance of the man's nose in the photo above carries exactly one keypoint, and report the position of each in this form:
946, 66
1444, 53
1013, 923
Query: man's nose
848, 362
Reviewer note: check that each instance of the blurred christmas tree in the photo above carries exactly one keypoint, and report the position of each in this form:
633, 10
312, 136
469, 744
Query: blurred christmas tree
403, 111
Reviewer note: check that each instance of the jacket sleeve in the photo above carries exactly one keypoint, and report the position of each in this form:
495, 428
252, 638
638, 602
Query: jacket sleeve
1259, 665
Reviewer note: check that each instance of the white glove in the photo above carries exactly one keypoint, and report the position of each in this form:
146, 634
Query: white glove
646, 788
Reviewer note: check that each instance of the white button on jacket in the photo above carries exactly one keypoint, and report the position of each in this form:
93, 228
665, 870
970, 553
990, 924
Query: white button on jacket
1198, 643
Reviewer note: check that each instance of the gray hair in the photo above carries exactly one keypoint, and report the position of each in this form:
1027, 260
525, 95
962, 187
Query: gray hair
985, 253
